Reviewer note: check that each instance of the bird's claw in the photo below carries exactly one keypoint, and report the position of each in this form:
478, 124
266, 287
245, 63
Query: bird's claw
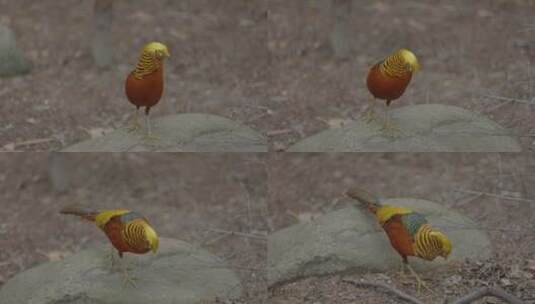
134, 128
151, 137
128, 280
420, 282
370, 116
391, 131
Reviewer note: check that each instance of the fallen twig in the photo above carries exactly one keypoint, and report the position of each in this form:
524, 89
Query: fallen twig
13, 146
242, 234
497, 196
488, 291
478, 294
279, 132
391, 289
508, 99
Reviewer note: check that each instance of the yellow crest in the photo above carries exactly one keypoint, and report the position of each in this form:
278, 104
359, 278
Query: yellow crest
156, 49
409, 59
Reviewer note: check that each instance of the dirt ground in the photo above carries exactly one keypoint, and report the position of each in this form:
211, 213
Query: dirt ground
492, 189
264, 63
194, 198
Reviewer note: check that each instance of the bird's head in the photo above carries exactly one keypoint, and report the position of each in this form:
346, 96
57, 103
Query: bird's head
157, 50
152, 238
410, 59
444, 242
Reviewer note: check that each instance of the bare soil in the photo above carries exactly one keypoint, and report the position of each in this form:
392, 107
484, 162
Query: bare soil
265, 63
492, 189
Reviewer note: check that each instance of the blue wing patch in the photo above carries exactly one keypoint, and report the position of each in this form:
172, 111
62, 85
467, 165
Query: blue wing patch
413, 221
130, 216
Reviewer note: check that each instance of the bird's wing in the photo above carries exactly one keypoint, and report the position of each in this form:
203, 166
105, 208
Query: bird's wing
385, 212
413, 221
105, 215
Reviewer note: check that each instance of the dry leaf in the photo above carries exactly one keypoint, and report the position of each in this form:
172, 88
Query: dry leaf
31, 120
98, 132
54, 256
9, 147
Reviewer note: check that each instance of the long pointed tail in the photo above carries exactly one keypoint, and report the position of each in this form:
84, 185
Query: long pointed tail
81, 211
369, 200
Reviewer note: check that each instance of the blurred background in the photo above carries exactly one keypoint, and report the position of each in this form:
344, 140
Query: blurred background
286, 68
216, 202
495, 190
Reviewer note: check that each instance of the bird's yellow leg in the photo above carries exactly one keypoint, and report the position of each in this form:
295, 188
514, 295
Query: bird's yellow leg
402, 270
135, 125
127, 278
389, 128
419, 281
149, 135
370, 113
111, 257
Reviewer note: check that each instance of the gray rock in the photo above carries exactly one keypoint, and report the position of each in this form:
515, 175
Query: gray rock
350, 240
426, 127
12, 62
178, 273
182, 132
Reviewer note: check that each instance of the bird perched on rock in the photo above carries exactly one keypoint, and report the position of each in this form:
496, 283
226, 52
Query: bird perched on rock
144, 85
127, 231
409, 232
388, 80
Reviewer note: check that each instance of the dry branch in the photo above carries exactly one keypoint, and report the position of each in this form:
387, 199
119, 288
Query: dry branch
400, 294
475, 295
512, 198
488, 291
240, 234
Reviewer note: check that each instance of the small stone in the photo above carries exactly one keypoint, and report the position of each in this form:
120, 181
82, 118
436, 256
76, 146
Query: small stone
505, 282
453, 280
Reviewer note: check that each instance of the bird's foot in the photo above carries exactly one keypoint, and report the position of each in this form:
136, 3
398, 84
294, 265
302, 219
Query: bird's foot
390, 130
129, 280
151, 137
419, 282
370, 116
111, 257
134, 127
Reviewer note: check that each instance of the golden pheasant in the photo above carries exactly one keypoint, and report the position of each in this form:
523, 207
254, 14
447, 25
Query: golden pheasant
127, 231
408, 231
144, 85
388, 80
